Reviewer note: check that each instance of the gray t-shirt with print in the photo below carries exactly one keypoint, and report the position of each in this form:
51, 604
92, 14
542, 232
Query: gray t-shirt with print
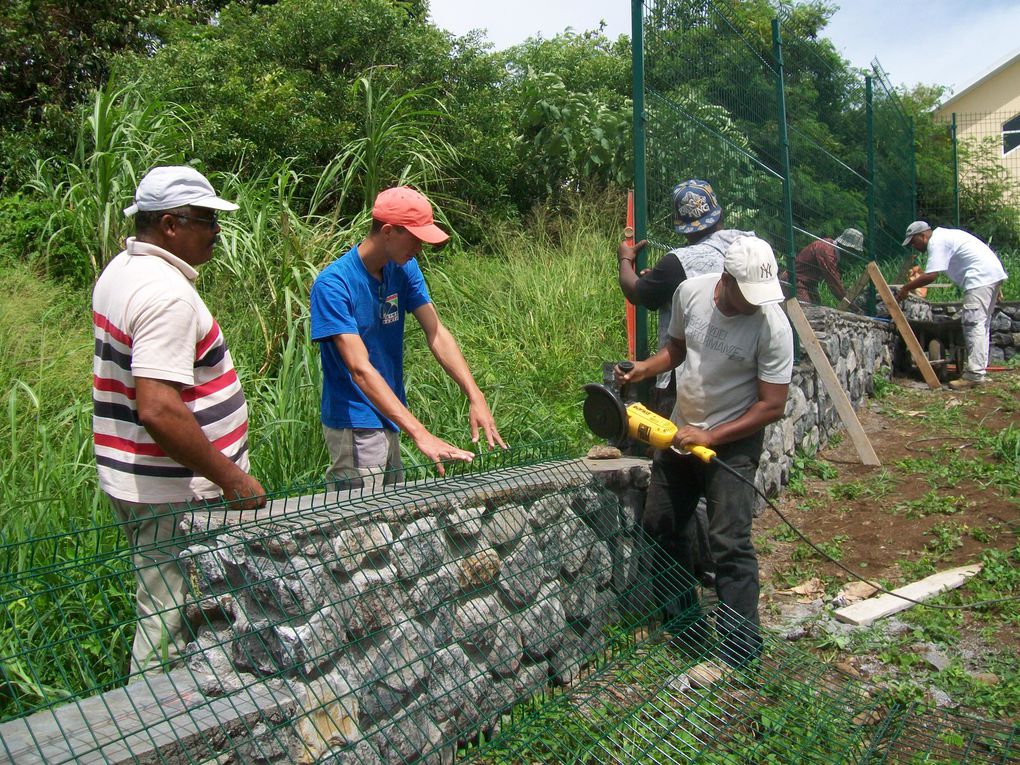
726, 355
704, 257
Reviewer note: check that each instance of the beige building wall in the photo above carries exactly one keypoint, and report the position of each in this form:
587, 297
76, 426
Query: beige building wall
983, 108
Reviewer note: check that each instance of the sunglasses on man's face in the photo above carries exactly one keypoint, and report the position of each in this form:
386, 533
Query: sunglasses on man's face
210, 222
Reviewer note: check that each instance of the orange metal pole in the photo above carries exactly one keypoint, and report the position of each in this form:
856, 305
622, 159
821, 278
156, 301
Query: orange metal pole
630, 308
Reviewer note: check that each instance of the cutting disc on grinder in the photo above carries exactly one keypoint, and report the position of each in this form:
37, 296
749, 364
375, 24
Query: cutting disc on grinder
604, 413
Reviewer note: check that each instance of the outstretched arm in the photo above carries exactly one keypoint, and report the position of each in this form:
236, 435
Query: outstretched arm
921, 281
444, 347
626, 259
654, 287
355, 355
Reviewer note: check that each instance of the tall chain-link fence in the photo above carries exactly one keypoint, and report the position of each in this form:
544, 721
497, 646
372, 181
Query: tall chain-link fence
797, 148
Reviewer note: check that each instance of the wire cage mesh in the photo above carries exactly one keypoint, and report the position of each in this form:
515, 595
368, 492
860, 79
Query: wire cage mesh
513, 613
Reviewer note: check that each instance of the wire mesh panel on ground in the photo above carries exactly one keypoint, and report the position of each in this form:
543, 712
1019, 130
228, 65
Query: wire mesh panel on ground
654, 704
798, 146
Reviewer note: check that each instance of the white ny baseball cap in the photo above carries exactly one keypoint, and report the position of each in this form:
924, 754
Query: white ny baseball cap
164, 188
751, 262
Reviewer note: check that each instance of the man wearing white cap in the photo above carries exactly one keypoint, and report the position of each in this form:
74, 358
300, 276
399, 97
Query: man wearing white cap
972, 266
358, 306
170, 422
737, 347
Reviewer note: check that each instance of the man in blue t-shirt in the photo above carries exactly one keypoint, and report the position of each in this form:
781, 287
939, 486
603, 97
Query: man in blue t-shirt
358, 305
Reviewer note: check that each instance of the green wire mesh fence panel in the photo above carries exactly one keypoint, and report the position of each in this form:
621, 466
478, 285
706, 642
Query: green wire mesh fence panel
710, 114
987, 165
655, 702
827, 114
712, 88
332, 625
894, 175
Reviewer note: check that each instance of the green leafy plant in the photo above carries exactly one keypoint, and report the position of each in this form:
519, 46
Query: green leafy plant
946, 537
933, 503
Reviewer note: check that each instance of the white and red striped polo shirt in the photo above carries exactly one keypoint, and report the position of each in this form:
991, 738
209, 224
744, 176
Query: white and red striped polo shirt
150, 322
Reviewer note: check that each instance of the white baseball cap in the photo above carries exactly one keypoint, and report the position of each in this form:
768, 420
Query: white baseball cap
750, 261
915, 228
164, 188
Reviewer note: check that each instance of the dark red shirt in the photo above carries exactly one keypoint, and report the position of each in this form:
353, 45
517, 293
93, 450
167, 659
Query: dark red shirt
818, 261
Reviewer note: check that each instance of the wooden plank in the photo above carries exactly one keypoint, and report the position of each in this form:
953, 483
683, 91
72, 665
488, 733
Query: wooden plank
827, 375
868, 611
903, 326
858, 287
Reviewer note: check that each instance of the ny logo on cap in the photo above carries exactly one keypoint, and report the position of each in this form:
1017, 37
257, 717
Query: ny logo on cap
766, 270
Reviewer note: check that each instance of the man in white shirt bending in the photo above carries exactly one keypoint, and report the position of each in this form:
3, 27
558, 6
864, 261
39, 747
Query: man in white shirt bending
972, 266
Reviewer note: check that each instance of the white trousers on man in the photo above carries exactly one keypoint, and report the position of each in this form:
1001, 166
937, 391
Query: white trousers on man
976, 318
154, 536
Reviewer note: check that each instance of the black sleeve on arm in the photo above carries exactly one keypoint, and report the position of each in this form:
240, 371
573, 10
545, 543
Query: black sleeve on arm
655, 289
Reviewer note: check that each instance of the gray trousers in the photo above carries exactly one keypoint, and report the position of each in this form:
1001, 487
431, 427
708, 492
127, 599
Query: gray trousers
161, 588
362, 458
976, 318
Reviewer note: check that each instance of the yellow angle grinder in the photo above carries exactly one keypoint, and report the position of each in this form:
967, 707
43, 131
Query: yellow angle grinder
608, 417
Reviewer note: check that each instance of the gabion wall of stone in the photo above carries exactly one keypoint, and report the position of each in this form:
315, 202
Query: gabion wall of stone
859, 349
408, 631
1005, 337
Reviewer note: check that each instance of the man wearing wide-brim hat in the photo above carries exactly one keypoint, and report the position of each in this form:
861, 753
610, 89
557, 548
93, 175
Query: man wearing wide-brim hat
819, 261
971, 265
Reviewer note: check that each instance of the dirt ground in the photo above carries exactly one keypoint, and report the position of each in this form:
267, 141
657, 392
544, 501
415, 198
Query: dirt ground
880, 517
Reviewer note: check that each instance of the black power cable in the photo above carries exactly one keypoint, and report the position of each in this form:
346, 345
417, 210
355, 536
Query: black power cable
851, 572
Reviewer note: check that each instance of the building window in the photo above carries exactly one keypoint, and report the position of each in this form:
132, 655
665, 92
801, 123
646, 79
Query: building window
1011, 134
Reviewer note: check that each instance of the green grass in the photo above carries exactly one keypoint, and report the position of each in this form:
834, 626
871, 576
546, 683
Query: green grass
999, 579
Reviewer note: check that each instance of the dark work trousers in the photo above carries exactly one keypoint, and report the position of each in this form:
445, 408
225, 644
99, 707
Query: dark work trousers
677, 483
662, 401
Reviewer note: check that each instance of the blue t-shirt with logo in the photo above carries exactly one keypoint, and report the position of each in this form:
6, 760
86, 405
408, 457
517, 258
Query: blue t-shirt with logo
347, 300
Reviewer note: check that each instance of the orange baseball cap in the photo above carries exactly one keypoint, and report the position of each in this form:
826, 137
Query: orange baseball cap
403, 206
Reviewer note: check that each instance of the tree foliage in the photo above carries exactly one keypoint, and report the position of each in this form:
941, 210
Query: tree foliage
358, 94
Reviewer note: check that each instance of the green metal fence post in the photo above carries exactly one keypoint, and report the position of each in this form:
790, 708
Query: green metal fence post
872, 213
956, 175
640, 173
913, 170
784, 158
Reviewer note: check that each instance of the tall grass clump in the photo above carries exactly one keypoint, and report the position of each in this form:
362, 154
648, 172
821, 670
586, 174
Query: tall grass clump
121, 136
535, 319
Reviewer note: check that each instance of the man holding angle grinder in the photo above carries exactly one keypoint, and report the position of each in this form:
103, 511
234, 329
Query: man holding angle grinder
736, 346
